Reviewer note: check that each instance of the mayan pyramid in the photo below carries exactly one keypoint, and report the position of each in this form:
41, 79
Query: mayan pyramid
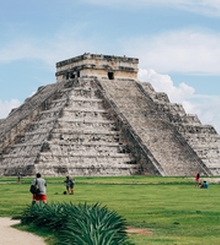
98, 119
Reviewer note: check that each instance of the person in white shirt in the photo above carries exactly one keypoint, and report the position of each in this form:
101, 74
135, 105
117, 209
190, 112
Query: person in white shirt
41, 184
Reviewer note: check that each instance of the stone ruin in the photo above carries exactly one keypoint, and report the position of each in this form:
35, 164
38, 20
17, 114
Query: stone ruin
99, 120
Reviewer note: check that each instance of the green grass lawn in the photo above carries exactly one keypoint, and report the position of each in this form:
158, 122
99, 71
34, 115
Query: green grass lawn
171, 209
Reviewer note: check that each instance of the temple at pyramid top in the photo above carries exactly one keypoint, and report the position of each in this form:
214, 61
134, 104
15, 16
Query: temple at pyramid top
102, 66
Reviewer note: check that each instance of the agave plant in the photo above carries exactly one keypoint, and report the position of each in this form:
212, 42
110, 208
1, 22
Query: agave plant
79, 225
51, 216
94, 225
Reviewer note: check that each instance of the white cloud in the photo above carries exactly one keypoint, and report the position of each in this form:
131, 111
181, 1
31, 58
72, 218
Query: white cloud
185, 51
204, 7
189, 51
68, 42
7, 106
163, 83
205, 107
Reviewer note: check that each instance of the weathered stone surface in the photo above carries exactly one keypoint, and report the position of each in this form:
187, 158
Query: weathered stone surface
98, 119
203, 139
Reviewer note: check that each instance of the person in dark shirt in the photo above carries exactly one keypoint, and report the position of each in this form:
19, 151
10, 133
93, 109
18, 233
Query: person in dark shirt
69, 183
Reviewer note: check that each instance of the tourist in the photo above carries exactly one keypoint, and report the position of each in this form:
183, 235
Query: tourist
205, 185
69, 183
197, 179
41, 184
19, 178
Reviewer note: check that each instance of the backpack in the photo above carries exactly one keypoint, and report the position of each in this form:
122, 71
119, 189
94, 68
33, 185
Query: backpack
34, 189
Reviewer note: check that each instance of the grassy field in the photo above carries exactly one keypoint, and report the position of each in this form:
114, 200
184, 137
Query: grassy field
170, 210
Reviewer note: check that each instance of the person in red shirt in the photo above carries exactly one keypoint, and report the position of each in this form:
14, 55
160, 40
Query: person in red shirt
197, 179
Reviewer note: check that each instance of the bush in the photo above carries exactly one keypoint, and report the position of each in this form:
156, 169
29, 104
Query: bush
79, 225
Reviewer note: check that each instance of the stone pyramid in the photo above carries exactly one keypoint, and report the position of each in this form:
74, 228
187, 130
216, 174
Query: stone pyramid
98, 119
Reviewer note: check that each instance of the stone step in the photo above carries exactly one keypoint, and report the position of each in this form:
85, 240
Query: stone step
98, 139
90, 144
81, 154
52, 111
77, 124
108, 155
86, 110
85, 115
86, 100
19, 150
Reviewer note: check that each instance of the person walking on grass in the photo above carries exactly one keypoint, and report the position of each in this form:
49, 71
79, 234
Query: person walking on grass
19, 178
69, 183
197, 179
41, 184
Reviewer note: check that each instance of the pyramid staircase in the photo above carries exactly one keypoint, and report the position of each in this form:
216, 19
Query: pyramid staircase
72, 133
171, 153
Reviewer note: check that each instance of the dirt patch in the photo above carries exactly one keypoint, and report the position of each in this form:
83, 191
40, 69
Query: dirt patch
139, 231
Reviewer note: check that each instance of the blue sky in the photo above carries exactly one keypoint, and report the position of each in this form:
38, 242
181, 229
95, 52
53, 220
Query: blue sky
177, 43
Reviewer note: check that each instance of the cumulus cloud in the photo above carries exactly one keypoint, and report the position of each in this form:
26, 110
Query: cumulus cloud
164, 83
7, 106
190, 51
205, 107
